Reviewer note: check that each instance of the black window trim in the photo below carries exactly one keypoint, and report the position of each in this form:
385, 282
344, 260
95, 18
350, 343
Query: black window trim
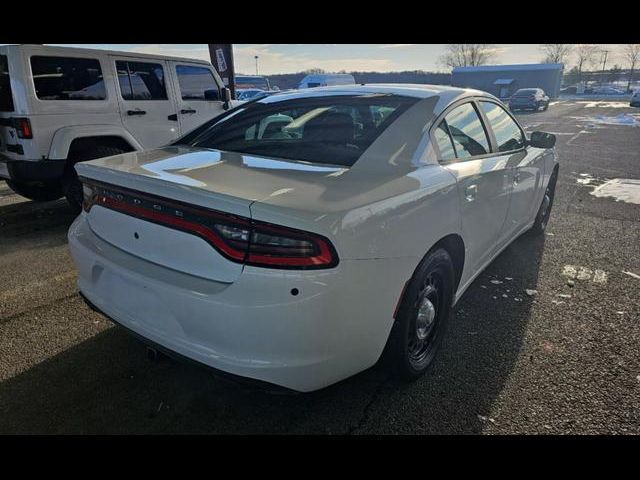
443, 115
82, 57
150, 62
483, 119
185, 64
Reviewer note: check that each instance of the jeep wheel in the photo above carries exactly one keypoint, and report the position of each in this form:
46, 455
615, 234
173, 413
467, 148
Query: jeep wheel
71, 184
39, 192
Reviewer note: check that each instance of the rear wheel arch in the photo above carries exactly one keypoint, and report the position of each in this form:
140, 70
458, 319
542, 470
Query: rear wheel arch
80, 148
454, 245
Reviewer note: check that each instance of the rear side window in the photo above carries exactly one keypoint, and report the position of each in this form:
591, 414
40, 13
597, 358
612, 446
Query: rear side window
67, 78
6, 98
443, 139
467, 132
141, 80
333, 129
194, 81
507, 132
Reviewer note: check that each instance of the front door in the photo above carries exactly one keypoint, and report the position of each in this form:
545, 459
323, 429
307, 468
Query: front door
483, 181
526, 167
146, 101
198, 94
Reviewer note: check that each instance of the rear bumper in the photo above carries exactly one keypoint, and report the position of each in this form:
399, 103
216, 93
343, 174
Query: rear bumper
334, 327
22, 171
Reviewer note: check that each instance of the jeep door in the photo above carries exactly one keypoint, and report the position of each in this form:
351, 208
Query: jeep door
198, 94
146, 100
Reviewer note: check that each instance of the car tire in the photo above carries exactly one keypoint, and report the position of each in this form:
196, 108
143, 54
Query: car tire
546, 107
71, 184
544, 212
38, 192
422, 318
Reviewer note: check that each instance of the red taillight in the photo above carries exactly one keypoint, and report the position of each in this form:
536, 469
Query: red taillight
23, 127
238, 238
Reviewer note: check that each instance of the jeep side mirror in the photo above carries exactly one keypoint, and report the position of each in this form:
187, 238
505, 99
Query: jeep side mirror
226, 98
542, 140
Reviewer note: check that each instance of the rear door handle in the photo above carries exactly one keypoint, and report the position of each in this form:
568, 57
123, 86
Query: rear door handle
136, 112
470, 193
188, 110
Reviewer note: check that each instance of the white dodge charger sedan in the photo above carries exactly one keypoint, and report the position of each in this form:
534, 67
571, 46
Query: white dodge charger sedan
298, 238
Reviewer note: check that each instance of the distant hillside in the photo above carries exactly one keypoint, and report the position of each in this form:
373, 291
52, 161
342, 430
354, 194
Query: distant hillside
291, 80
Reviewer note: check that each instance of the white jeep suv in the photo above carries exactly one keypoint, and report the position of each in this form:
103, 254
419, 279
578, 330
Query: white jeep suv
60, 106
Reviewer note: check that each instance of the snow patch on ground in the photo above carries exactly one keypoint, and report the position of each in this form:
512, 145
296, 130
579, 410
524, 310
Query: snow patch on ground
583, 273
604, 104
621, 189
622, 119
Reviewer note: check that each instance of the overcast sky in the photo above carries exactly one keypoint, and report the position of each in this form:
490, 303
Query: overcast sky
288, 58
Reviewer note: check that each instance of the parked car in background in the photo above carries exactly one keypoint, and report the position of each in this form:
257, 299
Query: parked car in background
326, 80
635, 99
60, 106
251, 94
298, 238
529, 99
252, 82
607, 91
569, 90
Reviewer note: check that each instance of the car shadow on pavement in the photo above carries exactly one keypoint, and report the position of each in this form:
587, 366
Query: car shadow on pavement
107, 385
26, 221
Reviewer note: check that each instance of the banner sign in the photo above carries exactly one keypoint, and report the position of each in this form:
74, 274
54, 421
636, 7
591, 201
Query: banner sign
222, 60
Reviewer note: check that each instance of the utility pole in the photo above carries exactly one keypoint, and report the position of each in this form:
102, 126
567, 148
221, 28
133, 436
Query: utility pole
604, 64
256, 57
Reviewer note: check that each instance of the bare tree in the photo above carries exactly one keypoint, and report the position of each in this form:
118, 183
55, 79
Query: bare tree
556, 52
632, 56
467, 54
585, 54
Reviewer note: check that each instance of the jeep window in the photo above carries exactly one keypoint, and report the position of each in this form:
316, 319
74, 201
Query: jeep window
194, 81
6, 98
332, 129
141, 80
67, 78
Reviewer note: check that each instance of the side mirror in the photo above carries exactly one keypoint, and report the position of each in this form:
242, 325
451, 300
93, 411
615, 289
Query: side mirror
226, 98
212, 94
542, 140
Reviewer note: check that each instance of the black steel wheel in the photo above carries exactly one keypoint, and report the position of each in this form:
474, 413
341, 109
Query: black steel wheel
422, 317
544, 212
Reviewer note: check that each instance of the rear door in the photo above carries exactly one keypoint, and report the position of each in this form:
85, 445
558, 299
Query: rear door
483, 179
146, 101
198, 94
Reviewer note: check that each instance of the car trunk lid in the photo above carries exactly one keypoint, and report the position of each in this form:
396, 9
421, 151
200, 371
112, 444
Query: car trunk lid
148, 196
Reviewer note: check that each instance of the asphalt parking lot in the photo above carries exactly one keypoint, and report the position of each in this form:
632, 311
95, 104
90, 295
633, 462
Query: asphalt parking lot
565, 359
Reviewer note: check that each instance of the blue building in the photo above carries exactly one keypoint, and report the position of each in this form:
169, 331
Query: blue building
503, 80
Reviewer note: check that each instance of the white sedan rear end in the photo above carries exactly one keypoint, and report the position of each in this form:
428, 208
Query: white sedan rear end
294, 238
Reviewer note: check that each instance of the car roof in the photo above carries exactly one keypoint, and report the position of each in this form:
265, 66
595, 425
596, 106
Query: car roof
421, 91
95, 51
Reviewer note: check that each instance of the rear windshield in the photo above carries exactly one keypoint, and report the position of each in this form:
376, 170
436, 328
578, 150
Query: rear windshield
334, 130
252, 82
526, 91
6, 98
